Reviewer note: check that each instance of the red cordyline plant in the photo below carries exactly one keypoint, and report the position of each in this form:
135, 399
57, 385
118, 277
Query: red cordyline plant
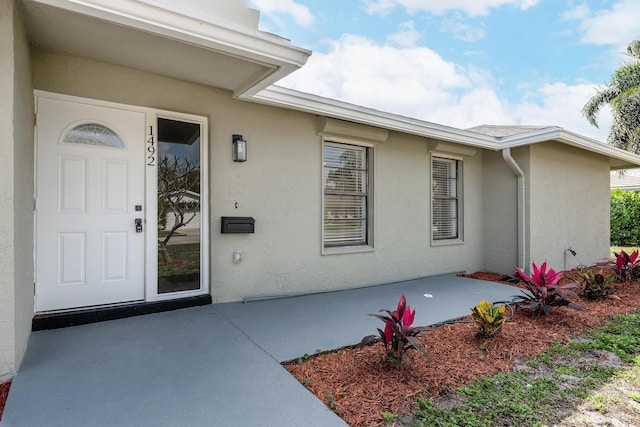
544, 290
627, 266
398, 335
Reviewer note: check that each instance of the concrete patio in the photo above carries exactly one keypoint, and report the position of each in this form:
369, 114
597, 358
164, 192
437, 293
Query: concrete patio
216, 365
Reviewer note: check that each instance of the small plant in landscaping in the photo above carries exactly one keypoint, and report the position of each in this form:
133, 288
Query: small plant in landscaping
388, 417
483, 349
544, 291
627, 266
330, 402
398, 335
596, 285
488, 318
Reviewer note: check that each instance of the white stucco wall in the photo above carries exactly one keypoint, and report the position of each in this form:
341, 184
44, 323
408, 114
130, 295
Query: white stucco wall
569, 203
16, 191
280, 186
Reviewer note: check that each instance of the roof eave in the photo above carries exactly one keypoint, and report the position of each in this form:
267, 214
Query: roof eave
301, 101
620, 159
277, 54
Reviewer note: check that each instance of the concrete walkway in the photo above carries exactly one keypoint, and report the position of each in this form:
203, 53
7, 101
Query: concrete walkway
217, 365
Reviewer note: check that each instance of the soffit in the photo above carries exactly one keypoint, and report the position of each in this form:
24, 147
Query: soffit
192, 50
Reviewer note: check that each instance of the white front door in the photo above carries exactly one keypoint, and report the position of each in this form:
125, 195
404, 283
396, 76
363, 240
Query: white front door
90, 191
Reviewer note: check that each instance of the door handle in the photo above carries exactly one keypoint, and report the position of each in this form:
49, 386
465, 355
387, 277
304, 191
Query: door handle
138, 222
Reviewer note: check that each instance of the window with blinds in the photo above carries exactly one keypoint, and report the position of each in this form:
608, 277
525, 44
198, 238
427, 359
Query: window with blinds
345, 183
445, 186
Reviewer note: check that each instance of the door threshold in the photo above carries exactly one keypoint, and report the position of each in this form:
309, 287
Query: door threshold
42, 322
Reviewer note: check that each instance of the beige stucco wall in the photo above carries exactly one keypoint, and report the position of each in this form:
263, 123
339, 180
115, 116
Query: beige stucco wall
566, 205
500, 194
16, 191
280, 185
569, 204
502, 242
7, 333
24, 192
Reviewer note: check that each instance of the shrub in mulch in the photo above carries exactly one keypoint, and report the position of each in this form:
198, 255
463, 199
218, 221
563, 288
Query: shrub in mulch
359, 384
4, 392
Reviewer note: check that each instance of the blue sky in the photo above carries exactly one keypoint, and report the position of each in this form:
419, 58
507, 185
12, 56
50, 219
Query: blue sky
460, 62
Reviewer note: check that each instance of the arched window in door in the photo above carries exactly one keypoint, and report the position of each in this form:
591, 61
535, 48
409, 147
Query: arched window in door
93, 134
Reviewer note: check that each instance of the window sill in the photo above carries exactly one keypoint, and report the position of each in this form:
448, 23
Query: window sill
447, 242
347, 250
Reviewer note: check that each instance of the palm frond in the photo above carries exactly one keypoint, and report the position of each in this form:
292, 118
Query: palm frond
634, 48
604, 95
622, 93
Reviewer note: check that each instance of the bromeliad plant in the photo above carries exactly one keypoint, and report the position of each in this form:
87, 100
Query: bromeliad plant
627, 266
544, 291
596, 285
489, 319
398, 335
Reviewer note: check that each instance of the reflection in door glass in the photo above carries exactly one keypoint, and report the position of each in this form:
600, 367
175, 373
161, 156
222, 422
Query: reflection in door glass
178, 206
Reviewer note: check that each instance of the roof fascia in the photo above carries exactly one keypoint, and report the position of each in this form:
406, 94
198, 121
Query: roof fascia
300, 101
532, 137
576, 140
273, 52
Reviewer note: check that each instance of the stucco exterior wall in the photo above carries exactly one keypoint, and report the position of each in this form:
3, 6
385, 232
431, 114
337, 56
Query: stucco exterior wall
7, 333
500, 194
16, 191
569, 205
501, 210
280, 186
24, 192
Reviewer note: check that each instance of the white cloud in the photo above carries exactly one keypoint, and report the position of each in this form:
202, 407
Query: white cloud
580, 12
616, 26
470, 7
299, 12
378, 7
417, 82
561, 104
405, 80
408, 36
462, 31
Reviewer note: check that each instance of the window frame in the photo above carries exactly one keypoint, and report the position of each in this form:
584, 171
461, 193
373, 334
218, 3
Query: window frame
350, 247
459, 199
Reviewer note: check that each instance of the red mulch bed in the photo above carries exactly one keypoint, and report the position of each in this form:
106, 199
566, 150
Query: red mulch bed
362, 385
4, 392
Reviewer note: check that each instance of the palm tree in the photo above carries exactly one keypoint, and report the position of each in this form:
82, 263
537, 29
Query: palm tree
623, 95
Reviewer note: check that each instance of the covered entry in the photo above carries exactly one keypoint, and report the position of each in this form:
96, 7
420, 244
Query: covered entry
119, 217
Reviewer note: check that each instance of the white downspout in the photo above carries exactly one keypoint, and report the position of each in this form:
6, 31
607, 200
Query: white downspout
522, 236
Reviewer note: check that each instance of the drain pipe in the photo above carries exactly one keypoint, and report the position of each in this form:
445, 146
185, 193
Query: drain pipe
522, 236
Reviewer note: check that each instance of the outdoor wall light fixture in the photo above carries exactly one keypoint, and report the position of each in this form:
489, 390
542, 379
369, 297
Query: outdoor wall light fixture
239, 149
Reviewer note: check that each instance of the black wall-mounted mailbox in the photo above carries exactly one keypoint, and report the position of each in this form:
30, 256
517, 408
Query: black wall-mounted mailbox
237, 224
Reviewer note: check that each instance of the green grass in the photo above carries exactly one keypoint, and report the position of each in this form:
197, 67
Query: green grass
617, 249
557, 382
186, 260
621, 336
